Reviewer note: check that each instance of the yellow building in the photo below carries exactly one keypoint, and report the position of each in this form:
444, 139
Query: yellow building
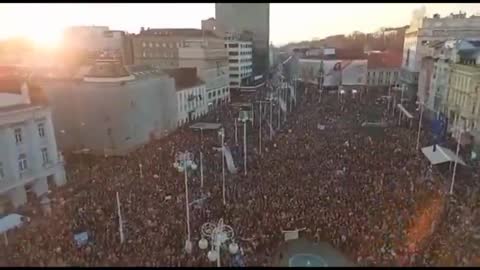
463, 97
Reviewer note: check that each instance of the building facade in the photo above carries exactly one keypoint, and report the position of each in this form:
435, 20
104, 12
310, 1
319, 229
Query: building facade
187, 48
436, 100
384, 69
464, 85
210, 59
239, 61
96, 40
117, 108
424, 31
29, 159
249, 17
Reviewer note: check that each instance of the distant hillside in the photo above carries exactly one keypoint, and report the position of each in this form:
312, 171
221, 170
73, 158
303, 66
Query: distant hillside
386, 38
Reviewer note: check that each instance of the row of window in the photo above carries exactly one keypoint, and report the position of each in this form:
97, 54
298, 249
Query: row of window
460, 81
19, 135
23, 163
241, 68
158, 54
213, 94
190, 100
161, 44
241, 60
236, 53
235, 45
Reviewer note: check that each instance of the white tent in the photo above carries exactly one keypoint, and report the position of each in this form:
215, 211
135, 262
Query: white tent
9, 222
441, 155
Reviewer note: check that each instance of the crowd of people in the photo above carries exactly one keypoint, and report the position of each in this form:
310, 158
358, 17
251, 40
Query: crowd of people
359, 188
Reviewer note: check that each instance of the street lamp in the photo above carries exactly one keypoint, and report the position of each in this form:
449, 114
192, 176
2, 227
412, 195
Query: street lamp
244, 118
421, 104
183, 162
216, 235
221, 133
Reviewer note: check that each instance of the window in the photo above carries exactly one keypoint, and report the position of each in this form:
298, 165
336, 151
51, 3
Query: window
164, 45
45, 156
150, 44
41, 130
157, 45
233, 53
2, 174
22, 162
144, 54
18, 135
144, 44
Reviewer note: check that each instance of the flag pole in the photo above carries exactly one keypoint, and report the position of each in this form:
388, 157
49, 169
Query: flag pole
120, 221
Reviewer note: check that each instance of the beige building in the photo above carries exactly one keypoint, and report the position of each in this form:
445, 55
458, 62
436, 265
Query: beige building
421, 33
187, 48
463, 100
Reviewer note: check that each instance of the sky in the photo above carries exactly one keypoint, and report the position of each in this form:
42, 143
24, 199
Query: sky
289, 22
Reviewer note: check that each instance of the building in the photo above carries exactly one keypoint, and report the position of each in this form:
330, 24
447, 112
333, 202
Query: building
463, 97
240, 65
160, 46
383, 69
96, 40
117, 108
187, 48
422, 32
29, 159
436, 100
191, 94
251, 17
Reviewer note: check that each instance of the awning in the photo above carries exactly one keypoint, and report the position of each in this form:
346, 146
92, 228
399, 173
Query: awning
441, 155
405, 112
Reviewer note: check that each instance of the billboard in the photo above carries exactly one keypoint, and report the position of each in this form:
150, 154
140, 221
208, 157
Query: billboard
335, 72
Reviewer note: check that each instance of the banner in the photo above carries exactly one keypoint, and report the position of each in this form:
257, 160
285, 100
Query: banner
291, 235
334, 72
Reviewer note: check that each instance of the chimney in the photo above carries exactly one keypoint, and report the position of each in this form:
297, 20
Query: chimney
25, 93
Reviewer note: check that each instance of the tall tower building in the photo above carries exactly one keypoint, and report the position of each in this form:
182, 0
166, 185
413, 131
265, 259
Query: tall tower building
251, 17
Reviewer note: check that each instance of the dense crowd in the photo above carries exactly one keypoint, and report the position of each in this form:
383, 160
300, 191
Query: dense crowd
359, 188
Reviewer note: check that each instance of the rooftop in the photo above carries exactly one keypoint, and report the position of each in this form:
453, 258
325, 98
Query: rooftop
387, 59
343, 54
190, 32
184, 77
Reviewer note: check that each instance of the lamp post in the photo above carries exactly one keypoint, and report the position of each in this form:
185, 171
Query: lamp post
183, 162
244, 118
420, 123
460, 133
216, 235
236, 132
221, 133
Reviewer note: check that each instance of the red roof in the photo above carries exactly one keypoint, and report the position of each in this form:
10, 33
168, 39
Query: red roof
387, 59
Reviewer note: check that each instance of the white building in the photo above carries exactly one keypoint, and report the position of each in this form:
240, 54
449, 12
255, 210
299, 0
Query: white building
239, 61
29, 160
191, 94
210, 59
422, 32
191, 103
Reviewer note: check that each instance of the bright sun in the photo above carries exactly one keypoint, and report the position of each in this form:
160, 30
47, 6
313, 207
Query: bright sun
45, 40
